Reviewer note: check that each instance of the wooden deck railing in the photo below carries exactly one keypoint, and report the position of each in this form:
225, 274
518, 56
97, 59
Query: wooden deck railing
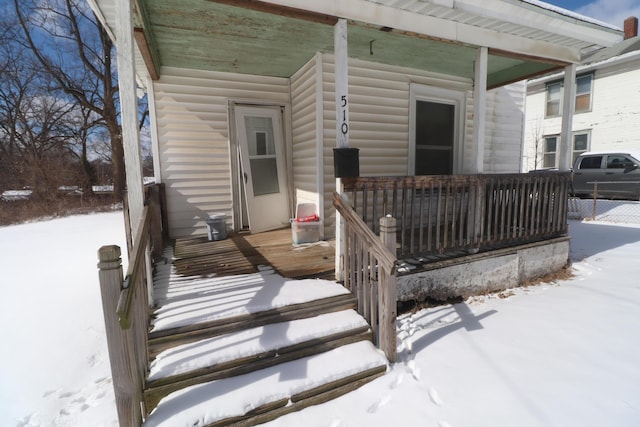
442, 214
126, 303
370, 273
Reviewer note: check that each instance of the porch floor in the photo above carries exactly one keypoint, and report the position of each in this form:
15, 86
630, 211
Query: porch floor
242, 253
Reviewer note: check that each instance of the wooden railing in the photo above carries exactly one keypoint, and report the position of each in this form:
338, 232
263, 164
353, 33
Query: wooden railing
126, 303
370, 273
444, 214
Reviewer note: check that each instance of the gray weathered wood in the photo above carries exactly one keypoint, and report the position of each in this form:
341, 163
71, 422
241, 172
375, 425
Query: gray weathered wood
388, 294
126, 385
134, 271
372, 274
468, 212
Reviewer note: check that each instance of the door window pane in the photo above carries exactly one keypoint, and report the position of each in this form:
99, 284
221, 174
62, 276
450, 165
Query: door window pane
435, 130
265, 176
262, 155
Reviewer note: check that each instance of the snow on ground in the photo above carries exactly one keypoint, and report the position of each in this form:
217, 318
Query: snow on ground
555, 354
54, 368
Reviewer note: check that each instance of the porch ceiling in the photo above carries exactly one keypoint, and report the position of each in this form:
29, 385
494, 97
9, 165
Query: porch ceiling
240, 36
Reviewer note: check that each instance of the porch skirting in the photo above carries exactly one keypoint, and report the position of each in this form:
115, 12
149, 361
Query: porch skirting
485, 272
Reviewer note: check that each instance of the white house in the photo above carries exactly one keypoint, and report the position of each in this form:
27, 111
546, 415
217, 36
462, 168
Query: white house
209, 65
606, 107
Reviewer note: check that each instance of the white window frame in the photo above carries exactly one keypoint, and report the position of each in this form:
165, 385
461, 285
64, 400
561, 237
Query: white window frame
573, 144
559, 101
574, 152
458, 99
591, 76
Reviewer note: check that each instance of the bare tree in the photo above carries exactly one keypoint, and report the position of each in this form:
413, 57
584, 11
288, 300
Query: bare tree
36, 127
70, 45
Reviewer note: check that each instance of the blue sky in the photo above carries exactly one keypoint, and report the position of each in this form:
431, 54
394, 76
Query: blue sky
611, 11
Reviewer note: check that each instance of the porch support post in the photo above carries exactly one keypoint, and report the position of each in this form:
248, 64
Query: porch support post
129, 112
342, 124
568, 108
479, 108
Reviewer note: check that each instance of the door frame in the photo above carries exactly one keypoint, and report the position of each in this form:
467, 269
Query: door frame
457, 98
240, 219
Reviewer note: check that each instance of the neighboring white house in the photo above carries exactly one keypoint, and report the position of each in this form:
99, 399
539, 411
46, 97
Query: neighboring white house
607, 105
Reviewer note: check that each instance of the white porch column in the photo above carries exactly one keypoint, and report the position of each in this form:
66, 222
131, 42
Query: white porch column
342, 84
129, 112
568, 108
342, 122
479, 108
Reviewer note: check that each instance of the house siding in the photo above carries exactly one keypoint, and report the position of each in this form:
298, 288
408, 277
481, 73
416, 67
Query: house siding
193, 134
193, 140
614, 119
504, 129
306, 132
378, 119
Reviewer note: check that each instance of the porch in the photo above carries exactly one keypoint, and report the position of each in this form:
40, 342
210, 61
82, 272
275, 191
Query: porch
220, 299
244, 253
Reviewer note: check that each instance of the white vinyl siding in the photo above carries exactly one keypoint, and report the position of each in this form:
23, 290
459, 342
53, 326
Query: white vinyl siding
379, 119
193, 140
504, 128
306, 135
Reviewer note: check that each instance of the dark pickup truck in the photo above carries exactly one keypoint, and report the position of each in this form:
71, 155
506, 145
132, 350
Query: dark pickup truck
614, 175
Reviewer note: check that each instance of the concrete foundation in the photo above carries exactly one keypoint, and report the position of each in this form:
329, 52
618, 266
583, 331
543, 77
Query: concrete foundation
485, 272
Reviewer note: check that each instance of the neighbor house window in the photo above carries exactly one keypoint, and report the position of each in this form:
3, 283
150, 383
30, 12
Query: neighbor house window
583, 96
580, 145
552, 145
583, 93
554, 98
550, 148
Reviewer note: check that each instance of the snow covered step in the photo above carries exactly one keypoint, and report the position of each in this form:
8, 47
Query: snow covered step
249, 350
159, 341
272, 392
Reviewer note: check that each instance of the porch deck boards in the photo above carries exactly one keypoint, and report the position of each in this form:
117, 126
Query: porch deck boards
242, 253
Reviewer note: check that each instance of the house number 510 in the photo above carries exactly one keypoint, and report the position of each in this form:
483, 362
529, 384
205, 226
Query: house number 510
344, 128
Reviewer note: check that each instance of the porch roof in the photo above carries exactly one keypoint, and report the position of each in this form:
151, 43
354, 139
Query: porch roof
276, 37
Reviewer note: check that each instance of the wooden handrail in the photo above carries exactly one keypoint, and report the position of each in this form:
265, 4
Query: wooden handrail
386, 259
369, 266
133, 271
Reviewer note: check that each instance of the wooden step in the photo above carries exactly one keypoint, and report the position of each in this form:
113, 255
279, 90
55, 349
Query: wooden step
163, 339
249, 350
272, 392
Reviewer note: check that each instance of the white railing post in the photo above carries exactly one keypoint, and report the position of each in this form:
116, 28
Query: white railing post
122, 371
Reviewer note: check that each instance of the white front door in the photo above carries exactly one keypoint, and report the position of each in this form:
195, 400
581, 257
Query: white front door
261, 142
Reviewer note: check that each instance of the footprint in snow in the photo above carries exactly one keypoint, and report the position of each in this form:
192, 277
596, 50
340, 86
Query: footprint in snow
396, 382
379, 404
434, 396
413, 370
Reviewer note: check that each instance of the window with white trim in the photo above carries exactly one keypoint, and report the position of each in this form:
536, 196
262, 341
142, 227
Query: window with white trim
435, 130
554, 92
583, 93
554, 99
550, 148
579, 145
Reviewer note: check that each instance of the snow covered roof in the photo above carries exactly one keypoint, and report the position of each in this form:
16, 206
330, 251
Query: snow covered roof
626, 46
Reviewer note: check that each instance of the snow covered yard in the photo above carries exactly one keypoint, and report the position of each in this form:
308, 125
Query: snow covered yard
554, 354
